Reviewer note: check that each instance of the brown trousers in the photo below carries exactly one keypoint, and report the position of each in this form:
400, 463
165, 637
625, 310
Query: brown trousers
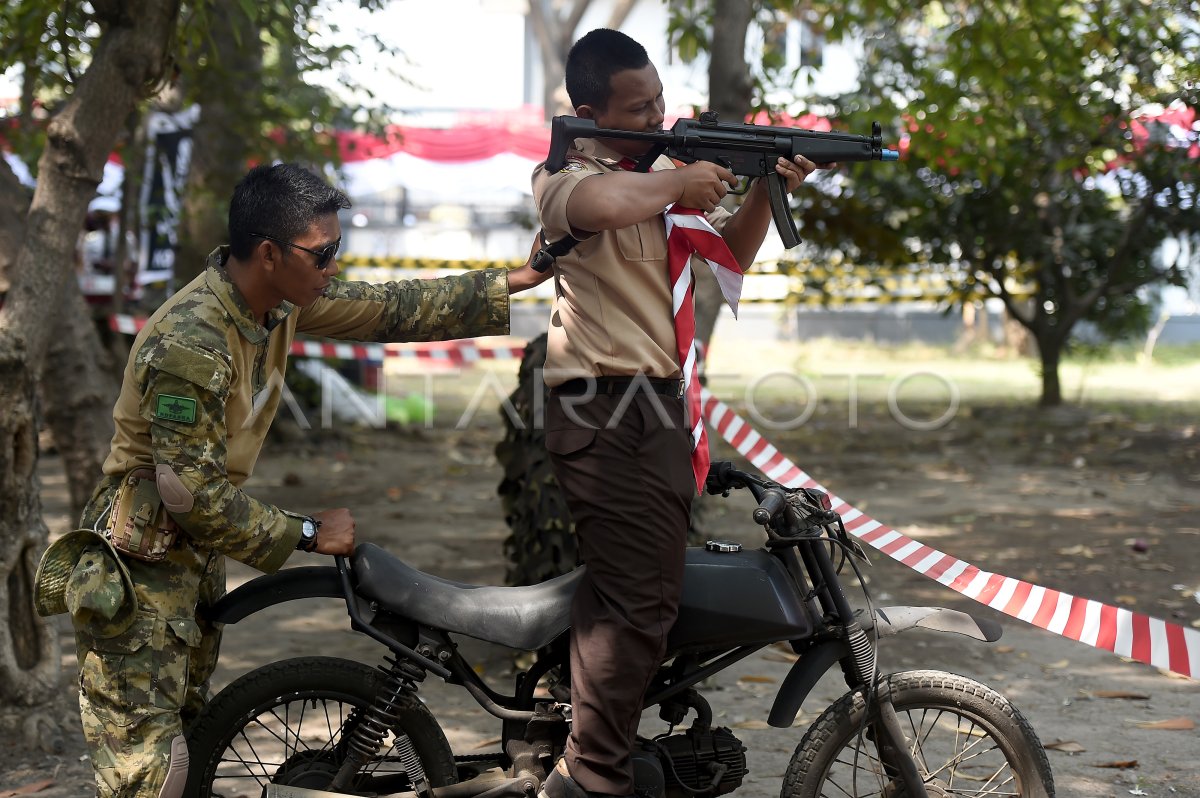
623, 462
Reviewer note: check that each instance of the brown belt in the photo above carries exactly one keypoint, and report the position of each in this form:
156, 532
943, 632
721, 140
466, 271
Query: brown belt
608, 386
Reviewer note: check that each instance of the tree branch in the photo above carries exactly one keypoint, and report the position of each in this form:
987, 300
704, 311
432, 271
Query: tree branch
567, 33
64, 42
545, 25
620, 12
1010, 303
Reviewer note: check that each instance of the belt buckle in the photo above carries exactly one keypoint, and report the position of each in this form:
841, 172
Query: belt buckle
682, 389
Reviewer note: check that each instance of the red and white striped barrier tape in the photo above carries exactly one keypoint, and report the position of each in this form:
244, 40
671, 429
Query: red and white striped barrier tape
1127, 634
450, 353
458, 353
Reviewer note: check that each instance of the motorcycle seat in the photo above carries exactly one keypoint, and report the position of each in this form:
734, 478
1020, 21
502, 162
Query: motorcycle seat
524, 618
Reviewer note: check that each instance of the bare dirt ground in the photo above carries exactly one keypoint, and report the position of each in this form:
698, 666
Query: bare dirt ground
1104, 506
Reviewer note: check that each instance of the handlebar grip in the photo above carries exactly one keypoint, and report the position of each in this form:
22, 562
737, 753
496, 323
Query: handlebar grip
718, 479
781, 211
772, 502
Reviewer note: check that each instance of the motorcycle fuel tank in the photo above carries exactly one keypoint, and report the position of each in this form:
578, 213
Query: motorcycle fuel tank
734, 598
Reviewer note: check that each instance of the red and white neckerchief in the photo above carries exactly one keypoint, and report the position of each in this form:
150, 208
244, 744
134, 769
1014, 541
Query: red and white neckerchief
690, 233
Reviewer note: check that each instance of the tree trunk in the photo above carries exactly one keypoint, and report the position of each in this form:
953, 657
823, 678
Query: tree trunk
1050, 345
28, 658
221, 138
14, 204
730, 92
129, 55
78, 389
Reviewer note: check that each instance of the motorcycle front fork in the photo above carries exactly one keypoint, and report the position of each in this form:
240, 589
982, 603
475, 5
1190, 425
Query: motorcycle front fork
894, 752
888, 734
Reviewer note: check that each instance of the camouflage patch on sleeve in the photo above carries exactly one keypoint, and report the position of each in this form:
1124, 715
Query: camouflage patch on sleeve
193, 364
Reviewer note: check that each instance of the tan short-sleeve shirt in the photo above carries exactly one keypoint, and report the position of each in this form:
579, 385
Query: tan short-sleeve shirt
612, 308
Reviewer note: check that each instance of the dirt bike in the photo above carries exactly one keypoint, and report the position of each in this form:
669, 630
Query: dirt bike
318, 727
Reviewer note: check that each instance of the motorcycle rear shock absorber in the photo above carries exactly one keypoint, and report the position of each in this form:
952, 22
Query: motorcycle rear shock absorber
366, 738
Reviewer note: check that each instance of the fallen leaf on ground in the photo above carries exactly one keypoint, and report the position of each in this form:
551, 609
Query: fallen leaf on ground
1062, 663
489, 743
773, 657
1170, 724
1003, 649
1126, 599
1120, 765
1066, 746
1117, 694
28, 789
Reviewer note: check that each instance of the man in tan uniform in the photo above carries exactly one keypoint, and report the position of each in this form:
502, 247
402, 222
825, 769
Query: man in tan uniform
199, 392
615, 424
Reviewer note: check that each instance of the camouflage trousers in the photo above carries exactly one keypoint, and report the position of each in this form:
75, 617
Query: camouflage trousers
138, 690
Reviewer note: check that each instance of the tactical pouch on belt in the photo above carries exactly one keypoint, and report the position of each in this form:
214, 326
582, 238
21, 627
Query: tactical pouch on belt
139, 525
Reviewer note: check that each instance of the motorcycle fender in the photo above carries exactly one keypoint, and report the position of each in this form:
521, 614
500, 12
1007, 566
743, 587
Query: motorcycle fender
893, 620
801, 679
313, 581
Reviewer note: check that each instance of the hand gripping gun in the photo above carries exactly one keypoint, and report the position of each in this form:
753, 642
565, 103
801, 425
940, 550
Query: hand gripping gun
746, 150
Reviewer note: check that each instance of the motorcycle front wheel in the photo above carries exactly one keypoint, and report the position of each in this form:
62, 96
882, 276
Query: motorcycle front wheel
966, 739
289, 723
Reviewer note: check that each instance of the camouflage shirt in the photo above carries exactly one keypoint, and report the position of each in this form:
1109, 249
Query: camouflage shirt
203, 383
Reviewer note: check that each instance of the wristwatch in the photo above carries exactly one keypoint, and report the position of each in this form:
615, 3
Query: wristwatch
308, 534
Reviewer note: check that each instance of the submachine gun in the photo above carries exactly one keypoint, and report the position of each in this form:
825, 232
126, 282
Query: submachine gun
746, 150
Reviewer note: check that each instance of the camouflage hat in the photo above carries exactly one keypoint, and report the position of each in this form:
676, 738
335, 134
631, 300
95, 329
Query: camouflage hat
81, 573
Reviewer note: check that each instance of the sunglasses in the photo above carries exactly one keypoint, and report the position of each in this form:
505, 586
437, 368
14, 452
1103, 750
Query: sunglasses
324, 254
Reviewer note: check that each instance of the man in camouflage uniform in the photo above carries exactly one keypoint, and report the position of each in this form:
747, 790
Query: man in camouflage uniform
198, 395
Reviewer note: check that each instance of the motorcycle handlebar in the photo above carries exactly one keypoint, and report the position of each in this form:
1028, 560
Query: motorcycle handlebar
772, 502
722, 477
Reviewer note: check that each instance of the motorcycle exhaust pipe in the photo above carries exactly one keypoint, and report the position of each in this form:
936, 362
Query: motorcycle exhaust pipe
485, 785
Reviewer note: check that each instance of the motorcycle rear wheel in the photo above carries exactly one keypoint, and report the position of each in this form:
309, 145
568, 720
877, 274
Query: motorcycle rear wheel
966, 739
286, 723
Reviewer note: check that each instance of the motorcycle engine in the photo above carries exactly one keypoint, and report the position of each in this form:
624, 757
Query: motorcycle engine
707, 761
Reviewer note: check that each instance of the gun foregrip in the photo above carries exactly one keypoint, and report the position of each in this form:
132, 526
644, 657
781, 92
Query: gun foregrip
781, 210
